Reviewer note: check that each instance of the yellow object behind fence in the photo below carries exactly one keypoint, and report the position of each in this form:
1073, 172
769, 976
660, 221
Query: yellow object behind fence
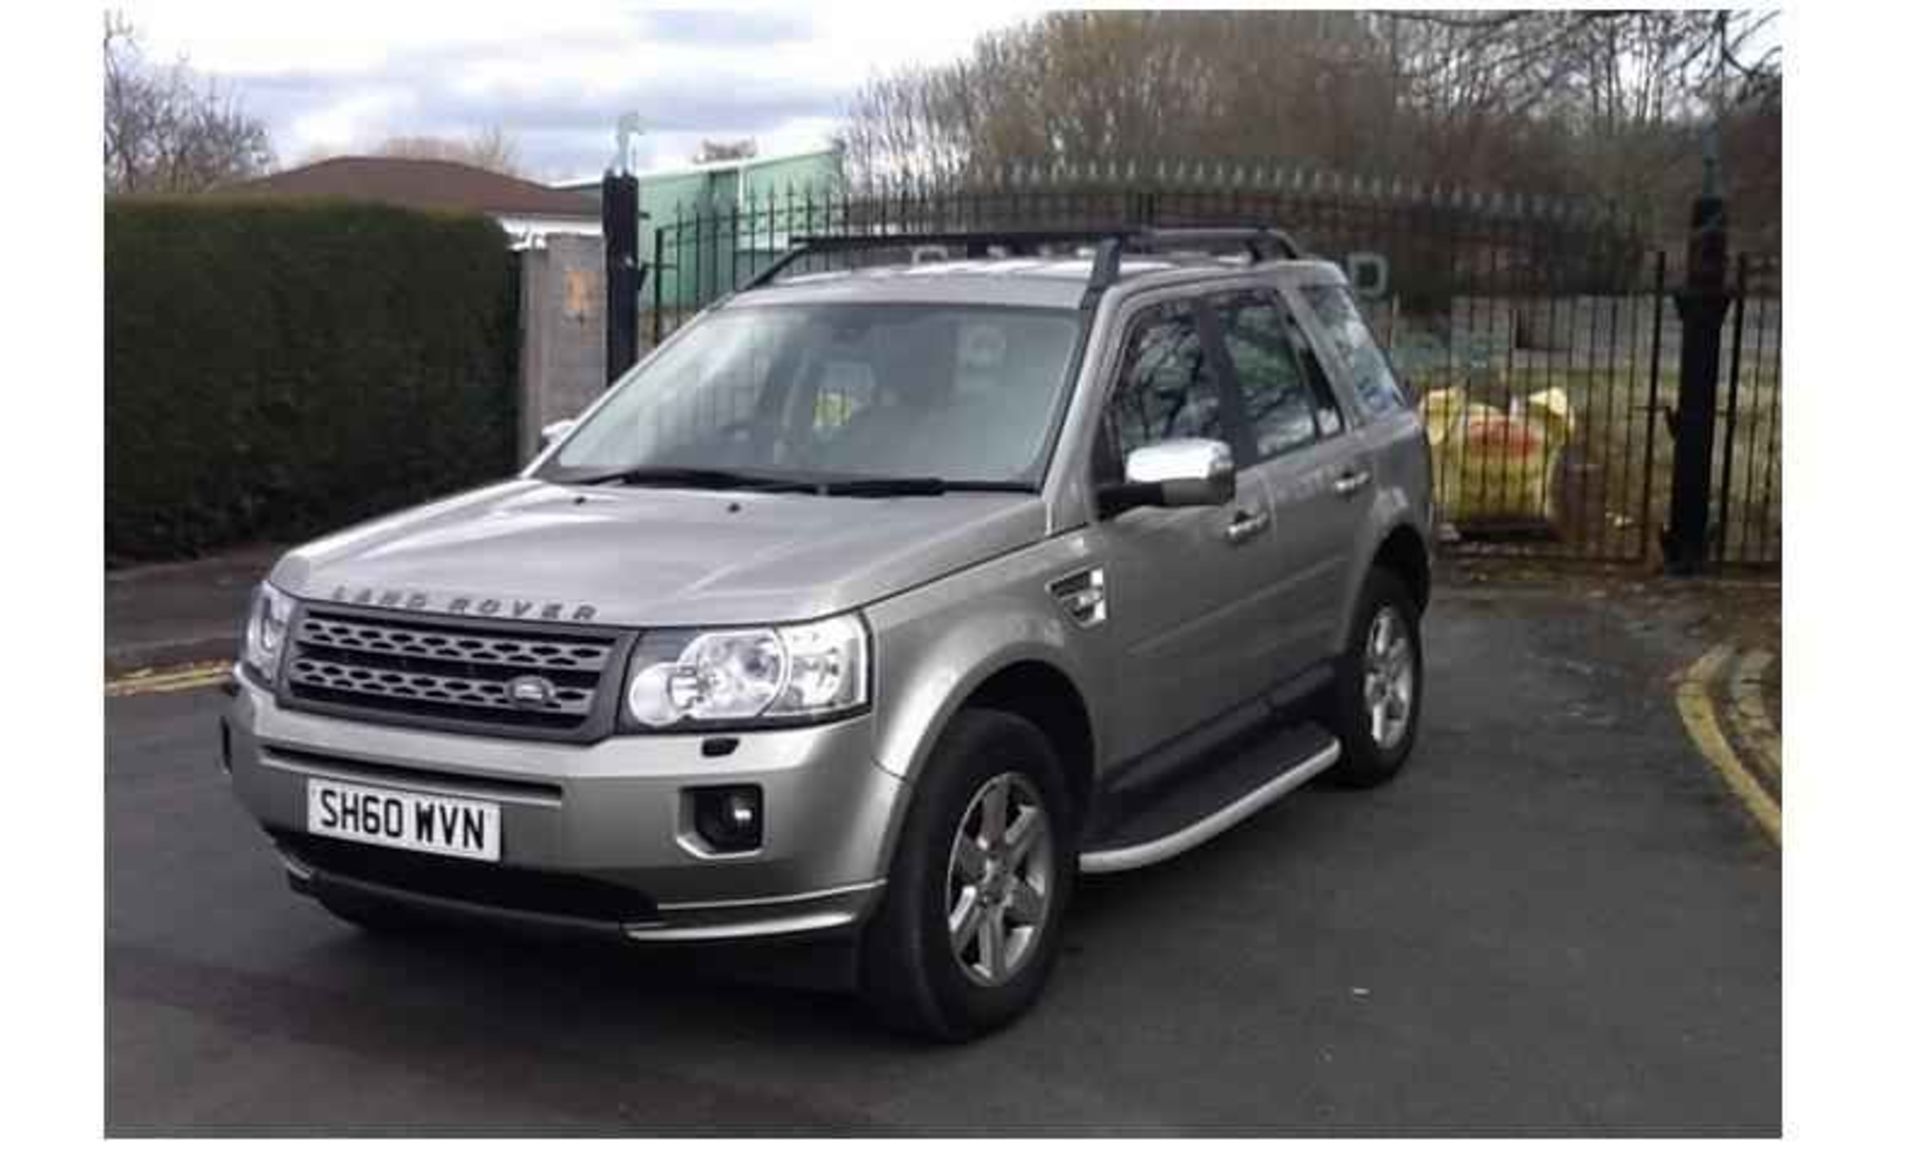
1497, 467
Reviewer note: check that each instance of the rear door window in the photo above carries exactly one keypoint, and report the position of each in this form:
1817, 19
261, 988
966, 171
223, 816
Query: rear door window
1375, 388
1285, 397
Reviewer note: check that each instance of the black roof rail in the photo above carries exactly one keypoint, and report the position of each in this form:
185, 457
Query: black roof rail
1106, 271
1262, 243
976, 243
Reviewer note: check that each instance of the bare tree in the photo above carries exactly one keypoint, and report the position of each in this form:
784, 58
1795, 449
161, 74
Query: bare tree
167, 130
1549, 101
1141, 86
726, 151
492, 148
1620, 102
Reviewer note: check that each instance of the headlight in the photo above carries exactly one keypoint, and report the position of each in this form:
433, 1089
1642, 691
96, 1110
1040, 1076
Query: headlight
807, 671
267, 620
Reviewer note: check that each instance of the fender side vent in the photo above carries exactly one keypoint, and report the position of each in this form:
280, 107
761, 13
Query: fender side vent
1083, 595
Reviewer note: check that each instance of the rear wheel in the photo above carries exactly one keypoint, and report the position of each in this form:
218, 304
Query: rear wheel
1375, 705
981, 877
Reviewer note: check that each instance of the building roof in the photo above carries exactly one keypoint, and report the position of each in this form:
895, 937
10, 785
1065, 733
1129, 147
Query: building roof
423, 184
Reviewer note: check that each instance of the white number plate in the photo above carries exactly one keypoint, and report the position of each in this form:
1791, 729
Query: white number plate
442, 825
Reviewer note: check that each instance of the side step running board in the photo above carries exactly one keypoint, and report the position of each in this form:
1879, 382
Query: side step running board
1207, 800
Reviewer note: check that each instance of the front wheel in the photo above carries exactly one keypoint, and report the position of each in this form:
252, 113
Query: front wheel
980, 880
1375, 705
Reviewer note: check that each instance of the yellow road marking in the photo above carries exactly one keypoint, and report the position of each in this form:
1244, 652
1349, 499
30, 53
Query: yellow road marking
1694, 699
1751, 719
179, 678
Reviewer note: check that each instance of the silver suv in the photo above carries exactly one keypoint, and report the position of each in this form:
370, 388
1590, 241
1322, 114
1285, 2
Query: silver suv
872, 608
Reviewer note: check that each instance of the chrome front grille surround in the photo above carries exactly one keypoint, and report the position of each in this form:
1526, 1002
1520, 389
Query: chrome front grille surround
494, 677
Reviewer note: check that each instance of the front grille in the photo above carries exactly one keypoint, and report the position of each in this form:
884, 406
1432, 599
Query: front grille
441, 671
441, 644
352, 678
527, 890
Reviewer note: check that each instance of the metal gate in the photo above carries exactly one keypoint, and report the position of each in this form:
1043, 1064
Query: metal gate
1540, 335
1747, 471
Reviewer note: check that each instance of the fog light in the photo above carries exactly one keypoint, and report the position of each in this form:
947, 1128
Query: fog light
728, 819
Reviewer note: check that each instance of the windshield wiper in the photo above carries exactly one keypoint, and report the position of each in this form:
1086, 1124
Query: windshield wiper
916, 487
669, 476
697, 478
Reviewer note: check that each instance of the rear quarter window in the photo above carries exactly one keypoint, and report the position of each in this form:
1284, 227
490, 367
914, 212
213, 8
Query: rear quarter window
1374, 385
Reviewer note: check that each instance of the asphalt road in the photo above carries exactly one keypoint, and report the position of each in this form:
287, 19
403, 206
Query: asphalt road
1555, 921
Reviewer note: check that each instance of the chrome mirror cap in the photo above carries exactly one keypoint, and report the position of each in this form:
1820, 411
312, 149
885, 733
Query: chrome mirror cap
555, 431
1187, 472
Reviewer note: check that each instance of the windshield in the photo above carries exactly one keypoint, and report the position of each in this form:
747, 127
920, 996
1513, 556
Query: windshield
953, 392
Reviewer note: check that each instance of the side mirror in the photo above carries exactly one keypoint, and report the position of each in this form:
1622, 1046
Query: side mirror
1174, 474
555, 431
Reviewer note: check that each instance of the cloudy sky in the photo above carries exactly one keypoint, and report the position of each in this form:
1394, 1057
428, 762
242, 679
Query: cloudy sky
555, 74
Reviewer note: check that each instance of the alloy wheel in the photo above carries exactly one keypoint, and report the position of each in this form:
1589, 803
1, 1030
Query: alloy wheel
1388, 678
999, 879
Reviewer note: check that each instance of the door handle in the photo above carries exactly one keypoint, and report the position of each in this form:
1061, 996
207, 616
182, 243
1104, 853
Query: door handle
1246, 526
1351, 481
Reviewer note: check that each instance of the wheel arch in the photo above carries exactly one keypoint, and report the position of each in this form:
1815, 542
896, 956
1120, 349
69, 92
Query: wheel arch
1025, 679
1403, 553
1045, 696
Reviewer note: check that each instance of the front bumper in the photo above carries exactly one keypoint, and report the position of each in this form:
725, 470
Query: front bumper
606, 821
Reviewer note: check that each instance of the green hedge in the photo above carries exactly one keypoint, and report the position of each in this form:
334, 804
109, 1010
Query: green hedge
277, 369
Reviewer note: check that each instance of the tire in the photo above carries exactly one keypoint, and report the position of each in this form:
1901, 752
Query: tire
915, 974
1370, 757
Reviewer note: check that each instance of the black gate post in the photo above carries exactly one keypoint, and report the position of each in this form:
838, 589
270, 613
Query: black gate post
1143, 208
659, 300
620, 226
1702, 305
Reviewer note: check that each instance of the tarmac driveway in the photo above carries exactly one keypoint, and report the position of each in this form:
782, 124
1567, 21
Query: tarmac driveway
1555, 921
